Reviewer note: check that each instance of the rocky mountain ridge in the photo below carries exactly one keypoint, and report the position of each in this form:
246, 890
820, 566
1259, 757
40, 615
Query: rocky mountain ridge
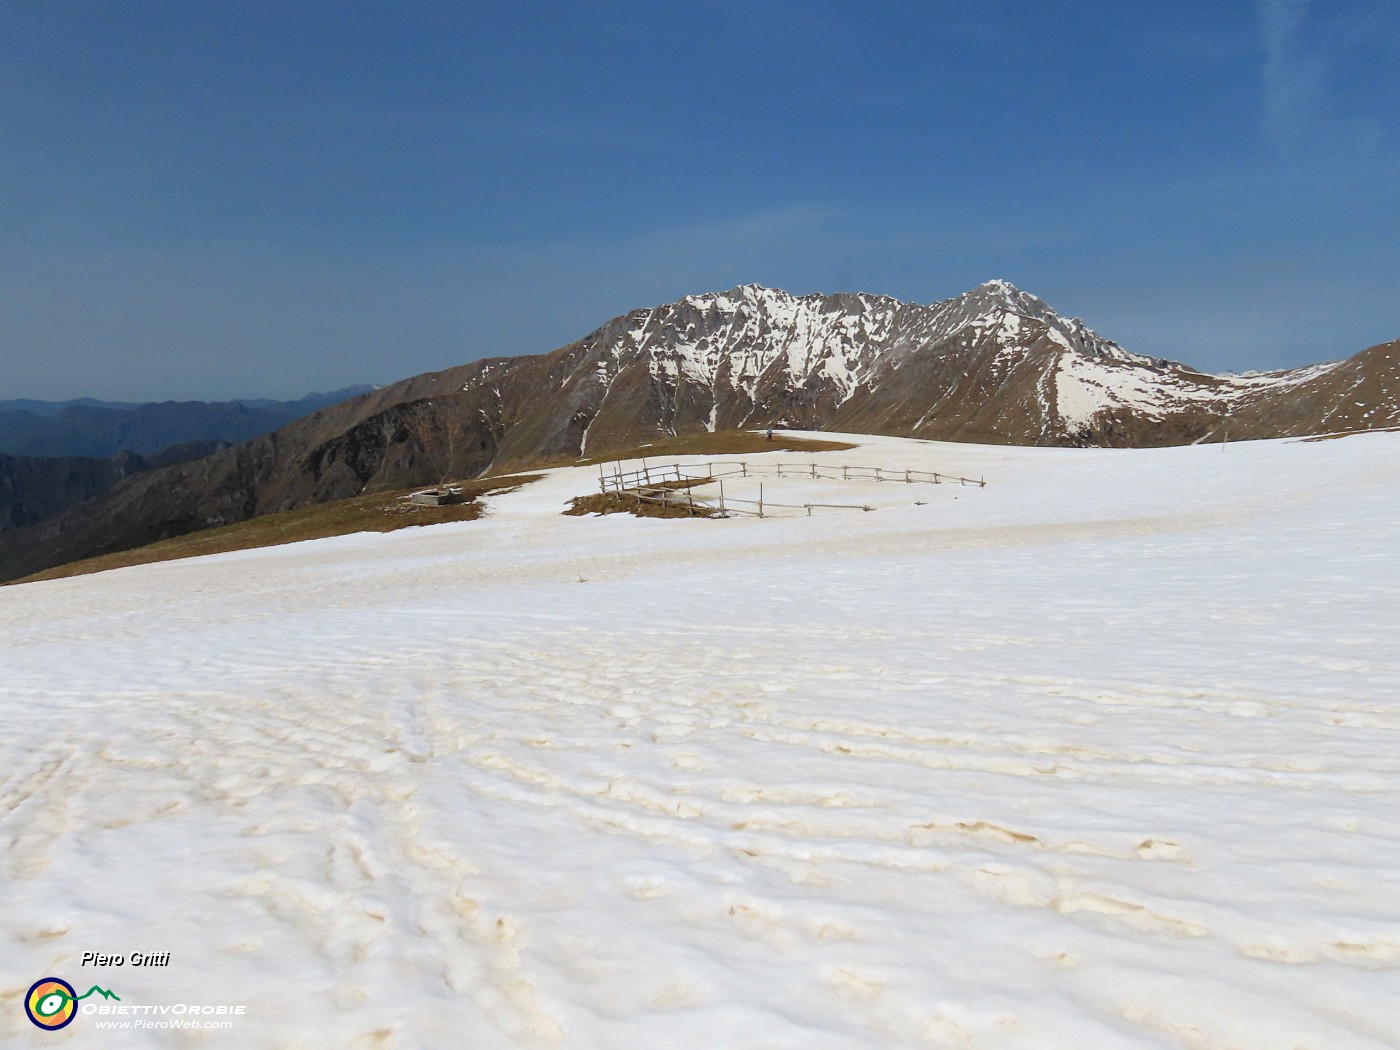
993, 365
35, 488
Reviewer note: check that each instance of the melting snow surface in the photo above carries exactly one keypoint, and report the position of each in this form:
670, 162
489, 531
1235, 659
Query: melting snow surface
1102, 755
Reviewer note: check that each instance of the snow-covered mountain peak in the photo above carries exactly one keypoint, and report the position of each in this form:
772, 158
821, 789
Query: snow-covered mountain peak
727, 358
998, 297
741, 299
997, 288
845, 339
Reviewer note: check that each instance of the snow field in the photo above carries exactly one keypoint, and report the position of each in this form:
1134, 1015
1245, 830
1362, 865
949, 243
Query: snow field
1100, 755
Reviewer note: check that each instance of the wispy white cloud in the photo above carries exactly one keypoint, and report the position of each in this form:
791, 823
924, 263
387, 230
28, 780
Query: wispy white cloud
1299, 54
1293, 74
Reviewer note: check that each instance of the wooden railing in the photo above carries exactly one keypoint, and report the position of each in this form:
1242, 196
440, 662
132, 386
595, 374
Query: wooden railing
672, 484
648, 474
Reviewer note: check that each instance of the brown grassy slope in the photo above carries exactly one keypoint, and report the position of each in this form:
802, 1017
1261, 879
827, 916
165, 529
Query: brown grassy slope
379, 512
382, 511
1349, 433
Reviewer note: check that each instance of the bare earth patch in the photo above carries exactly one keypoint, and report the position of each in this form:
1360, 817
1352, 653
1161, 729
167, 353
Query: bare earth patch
623, 503
1349, 433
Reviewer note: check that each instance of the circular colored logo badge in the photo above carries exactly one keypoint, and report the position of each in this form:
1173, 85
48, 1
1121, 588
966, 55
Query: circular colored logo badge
51, 1003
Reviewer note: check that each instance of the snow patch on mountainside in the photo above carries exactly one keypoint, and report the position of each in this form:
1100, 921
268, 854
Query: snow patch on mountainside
1250, 382
747, 331
752, 346
1085, 386
842, 339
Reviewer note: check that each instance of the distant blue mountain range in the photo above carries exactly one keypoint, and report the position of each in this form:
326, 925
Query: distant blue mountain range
52, 408
88, 427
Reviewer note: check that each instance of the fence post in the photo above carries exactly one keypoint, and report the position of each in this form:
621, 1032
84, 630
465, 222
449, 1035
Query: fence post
814, 470
843, 472
745, 465
760, 499
877, 475
906, 477
721, 498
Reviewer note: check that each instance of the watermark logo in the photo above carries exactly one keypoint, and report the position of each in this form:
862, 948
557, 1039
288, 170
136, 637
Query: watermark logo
52, 1003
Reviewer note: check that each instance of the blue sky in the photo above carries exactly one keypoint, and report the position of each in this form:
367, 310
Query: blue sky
219, 199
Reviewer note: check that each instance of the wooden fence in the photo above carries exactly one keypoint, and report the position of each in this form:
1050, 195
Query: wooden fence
673, 485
